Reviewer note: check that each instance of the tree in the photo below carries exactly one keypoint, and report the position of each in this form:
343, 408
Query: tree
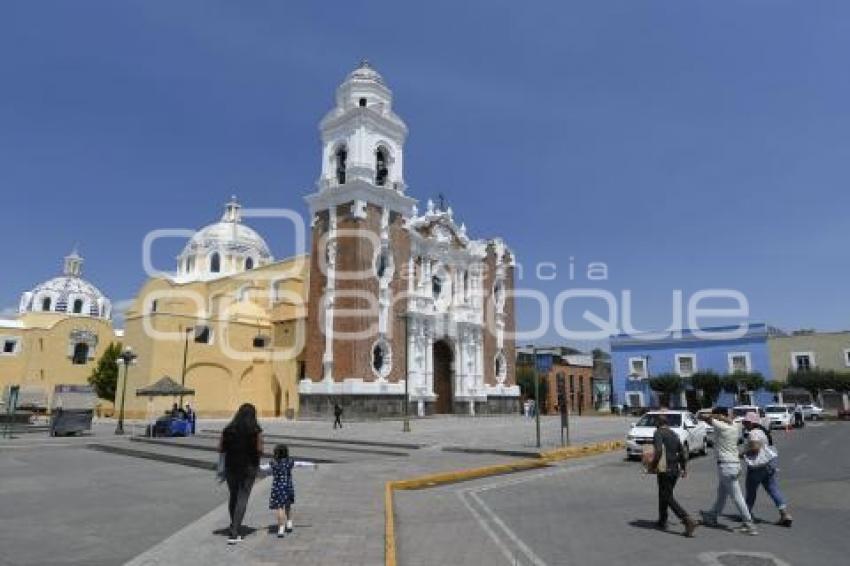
666, 385
817, 380
742, 382
104, 377
709, 385
525, 381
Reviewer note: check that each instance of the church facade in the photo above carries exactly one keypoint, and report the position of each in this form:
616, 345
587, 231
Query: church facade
400, 302
391, 303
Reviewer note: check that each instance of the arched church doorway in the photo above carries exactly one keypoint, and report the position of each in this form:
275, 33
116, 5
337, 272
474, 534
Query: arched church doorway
443, 378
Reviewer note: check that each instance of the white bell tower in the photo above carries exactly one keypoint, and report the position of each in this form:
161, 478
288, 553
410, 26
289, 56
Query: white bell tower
362, 138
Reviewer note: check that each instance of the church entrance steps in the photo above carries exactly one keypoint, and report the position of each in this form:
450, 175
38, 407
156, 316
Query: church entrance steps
302, 451
323, 440
200, 459
271, 440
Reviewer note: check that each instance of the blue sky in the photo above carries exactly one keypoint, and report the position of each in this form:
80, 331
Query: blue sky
685, 144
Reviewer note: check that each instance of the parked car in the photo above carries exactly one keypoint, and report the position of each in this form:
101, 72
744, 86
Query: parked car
691, 432
740, 411
709, 430
779, 416
812, 412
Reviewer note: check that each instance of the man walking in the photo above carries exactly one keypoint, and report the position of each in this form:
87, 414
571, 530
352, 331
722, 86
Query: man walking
761, 467
799, 422
726, 435
337, 416
669, 462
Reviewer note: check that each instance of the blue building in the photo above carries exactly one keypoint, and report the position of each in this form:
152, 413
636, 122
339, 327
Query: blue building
637, 357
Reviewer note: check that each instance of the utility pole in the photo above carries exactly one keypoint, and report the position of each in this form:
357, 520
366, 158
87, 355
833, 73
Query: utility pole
537, 403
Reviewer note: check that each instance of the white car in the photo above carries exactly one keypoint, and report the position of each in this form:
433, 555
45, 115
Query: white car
691, 432
812, 412
740, 411
779, 416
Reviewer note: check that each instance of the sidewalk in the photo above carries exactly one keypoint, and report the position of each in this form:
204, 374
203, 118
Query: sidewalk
339, 514
339, 518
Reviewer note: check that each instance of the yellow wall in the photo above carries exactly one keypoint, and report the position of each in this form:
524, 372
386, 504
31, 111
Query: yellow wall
43, 358
229, 370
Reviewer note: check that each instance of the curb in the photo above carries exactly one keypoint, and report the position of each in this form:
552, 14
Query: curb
445, 478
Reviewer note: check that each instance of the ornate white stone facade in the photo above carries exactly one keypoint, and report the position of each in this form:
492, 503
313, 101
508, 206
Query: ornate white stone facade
426, 262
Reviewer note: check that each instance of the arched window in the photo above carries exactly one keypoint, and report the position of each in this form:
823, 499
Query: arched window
46, 303
378, 358
341, 157
381, 167
381, 358
78, 306
436, 286
215, 263
384, 265
249, 263
81, 354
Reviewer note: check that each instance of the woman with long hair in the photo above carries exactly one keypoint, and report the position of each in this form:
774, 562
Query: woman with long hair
242, 445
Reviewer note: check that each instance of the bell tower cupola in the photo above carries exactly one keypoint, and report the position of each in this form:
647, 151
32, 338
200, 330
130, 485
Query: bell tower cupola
362, 138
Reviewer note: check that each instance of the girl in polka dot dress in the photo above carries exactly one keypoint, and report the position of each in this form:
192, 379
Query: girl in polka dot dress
283, 488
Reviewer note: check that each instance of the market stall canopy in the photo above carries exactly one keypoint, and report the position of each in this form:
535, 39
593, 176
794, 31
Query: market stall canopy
165, 387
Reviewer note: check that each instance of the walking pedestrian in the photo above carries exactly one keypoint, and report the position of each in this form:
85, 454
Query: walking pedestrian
242, 444
190, 416
726, 435
669, 463
761, 459
799, 422
282, 496
337, 416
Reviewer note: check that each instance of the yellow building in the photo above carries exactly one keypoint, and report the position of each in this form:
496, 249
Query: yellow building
62, 328
226, 324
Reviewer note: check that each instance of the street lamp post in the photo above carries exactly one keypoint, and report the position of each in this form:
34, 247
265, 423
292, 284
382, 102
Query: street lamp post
126, 358
406, 423
185, 357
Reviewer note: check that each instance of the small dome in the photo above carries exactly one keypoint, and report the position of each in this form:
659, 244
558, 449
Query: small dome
365, 73
223, 248
68, 293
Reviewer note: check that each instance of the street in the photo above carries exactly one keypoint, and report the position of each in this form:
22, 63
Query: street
600, 511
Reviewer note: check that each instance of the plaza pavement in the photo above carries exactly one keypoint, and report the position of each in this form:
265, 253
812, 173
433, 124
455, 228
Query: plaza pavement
116, 508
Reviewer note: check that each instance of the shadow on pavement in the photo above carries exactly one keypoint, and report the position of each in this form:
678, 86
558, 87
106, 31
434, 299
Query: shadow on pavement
652, 526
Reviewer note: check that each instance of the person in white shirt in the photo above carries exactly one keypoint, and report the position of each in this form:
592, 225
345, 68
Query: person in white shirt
761, 458
726, 435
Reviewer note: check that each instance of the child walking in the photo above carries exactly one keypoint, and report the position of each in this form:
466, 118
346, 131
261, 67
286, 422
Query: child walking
283, 488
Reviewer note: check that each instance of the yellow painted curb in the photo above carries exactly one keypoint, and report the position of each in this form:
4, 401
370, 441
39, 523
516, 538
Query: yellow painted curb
434, 480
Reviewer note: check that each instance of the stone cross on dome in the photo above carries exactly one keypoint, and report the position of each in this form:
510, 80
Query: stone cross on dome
232, 211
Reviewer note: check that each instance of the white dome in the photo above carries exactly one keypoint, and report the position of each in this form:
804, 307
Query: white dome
68, 293
223, 248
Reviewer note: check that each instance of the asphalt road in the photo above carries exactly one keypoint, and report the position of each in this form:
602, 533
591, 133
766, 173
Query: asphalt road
600, 511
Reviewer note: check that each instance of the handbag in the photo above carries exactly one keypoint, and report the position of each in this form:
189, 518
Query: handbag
219, 468
648, 458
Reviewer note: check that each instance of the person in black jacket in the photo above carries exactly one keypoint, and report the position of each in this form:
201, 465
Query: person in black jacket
337, 416
242, 444
675, 462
